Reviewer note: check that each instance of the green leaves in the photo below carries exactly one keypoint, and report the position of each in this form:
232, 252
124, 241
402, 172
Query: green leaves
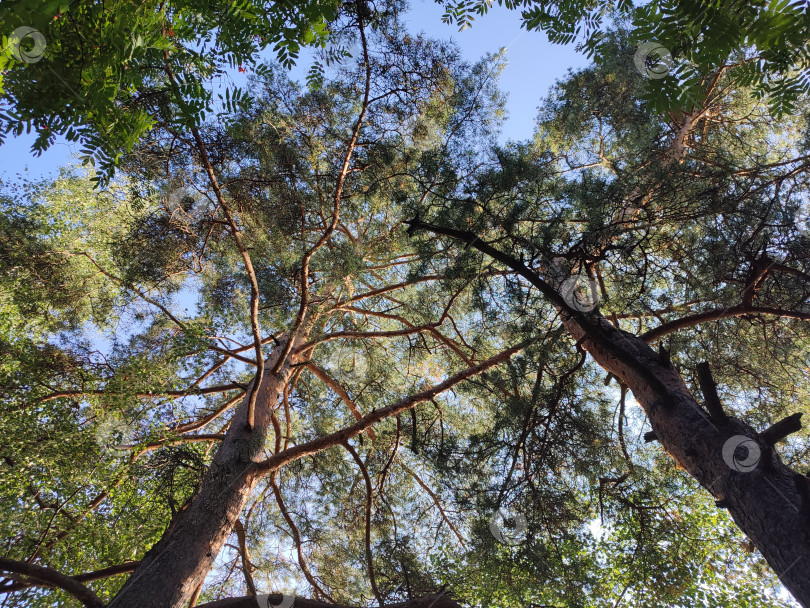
102, 74
703, 37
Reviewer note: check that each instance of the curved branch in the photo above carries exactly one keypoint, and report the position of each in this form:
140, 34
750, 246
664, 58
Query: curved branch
341, 179
142, 448
367, 536
243, 553
435, 498
198, 424
341, 392
595, 333
86, 577
205, 161
48, 577
332, 439
439, 600
211, 390
717, 314
296, 539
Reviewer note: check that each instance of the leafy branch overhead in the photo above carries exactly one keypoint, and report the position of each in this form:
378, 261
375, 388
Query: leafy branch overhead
95, 72
336, 344
763, 43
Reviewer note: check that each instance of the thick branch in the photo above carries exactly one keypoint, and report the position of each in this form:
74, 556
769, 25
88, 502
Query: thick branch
205, 161
333, 439
779, 430
717, 314
594, 331
48, 577
709, 389
86, 577
341, 179
341, 392
243, 553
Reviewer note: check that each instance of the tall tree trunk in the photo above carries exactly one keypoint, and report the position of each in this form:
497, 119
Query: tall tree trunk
171, 570
766, 499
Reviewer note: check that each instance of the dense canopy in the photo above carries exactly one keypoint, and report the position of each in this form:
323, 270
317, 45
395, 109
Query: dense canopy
341, 344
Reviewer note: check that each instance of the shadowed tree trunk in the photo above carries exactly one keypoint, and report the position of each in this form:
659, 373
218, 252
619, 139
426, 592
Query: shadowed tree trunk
763, 496
767, 499
171, 570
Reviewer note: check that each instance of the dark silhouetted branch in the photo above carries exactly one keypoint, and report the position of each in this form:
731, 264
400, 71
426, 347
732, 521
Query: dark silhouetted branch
124, 568
709, 389
438, 600
778, 431
48, 577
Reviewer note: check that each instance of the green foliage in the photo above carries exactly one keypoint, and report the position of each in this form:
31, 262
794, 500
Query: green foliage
114, 303
763, 44
101, 73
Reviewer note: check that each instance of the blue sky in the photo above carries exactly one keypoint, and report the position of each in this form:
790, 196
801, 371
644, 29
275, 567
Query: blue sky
533, 66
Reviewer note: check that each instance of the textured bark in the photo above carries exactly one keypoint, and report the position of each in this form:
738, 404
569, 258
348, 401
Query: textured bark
171, 570
48, 577
763, 496
768, 501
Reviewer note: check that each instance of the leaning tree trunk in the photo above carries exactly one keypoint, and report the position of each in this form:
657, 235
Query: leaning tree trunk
173, 568
766, 499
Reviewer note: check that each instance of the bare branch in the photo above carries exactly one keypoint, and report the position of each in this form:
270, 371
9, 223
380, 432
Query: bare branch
243, 553
709, 389
779, 430
341, 392
720, 313
48, 577
211, 390
438, 600
124, 568
367, 536
332, 439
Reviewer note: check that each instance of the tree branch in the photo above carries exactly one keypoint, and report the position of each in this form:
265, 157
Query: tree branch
341, 392
48, 577
211, 390
332, 439
367, 536
592, 330
709, 389
243, 553
124, 568
779, 430
720, 313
